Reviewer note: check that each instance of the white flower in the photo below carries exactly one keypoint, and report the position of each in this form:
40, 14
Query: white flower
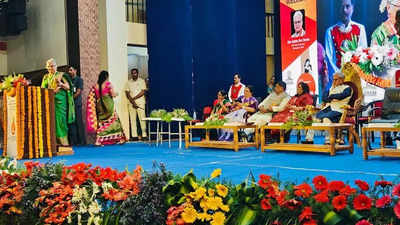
347, 57
13, 164
3, 162
97, 220
377, 59
391, 53
106, 186
94, 208
96, 189
82, 208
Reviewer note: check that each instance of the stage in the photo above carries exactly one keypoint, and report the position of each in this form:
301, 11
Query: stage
289, 166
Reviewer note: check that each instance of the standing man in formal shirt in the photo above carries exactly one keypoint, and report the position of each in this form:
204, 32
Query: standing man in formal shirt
77, 130
135, 92
236, 89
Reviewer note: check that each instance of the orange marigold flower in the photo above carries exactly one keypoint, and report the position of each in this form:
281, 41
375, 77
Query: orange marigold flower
303, 190
320, 183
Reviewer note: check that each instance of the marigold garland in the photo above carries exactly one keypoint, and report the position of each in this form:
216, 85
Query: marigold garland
30, 122
35, 130
48, 134
18, 121
40, 125
22, 118
5, 124
372, 79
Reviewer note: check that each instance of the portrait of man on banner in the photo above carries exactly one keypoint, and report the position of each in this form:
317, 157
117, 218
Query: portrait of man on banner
298, 23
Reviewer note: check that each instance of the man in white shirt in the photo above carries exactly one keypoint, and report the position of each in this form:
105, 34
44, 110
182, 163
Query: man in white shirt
236, 89
135, 91
339, 96
298, 21
275, 102
339, 34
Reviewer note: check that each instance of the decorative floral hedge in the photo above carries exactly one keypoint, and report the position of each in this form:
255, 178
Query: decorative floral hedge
82, 194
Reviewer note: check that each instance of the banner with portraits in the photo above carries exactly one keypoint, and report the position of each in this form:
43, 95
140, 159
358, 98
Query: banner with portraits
299, 44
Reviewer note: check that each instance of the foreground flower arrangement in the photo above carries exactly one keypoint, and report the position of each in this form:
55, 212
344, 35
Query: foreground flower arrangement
82, 194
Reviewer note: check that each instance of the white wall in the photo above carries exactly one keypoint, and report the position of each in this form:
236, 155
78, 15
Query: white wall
45, 37
114, 54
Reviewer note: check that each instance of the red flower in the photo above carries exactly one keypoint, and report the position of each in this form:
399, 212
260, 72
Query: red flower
339, 202
382, 202
281, 197
383, 183
396, 210
292, 204
320, 183
303, 190
347, 191
362, 202
265, 205
311, 222
306, 214
264, 181
335, 185
355, 59
362, 185
322, 197
396, 190
363, 222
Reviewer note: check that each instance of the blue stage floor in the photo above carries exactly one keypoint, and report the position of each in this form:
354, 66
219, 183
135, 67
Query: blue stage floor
289, 166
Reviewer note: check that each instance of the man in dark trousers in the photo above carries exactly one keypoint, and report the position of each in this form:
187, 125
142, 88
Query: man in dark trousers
76, 129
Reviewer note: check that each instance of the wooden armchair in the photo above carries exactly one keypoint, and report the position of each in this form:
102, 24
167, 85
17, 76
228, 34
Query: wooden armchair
351, 110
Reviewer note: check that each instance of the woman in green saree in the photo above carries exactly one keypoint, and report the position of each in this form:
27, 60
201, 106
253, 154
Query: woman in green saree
63, 100
101, 115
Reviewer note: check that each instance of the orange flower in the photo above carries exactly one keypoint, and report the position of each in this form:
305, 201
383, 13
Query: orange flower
303, 190
347, 190
264, 181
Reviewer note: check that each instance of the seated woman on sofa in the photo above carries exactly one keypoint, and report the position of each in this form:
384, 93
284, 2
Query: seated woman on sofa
242, 108
296, 103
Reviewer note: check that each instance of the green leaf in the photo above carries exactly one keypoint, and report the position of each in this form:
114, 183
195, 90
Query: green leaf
332, 218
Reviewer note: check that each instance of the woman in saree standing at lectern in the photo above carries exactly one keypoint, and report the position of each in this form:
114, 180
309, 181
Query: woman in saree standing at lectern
63, 100
101, 117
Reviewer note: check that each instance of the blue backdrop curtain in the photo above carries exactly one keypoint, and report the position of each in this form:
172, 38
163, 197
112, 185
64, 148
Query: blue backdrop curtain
217, 39
169, 42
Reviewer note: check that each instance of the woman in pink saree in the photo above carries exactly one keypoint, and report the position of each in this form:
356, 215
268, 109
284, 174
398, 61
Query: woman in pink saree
101, 116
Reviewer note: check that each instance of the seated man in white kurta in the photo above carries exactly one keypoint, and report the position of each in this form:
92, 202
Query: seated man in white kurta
338, 97
275, 102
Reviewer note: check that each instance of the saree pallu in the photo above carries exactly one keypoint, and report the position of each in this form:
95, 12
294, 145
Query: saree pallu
109, 129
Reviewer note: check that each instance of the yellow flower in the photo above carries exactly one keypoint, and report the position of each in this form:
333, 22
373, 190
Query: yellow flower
224, 208
199, 193
222, 190
215, 173
189, 215
214, 203
211, 192
204, 216
218, 219
204, 203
